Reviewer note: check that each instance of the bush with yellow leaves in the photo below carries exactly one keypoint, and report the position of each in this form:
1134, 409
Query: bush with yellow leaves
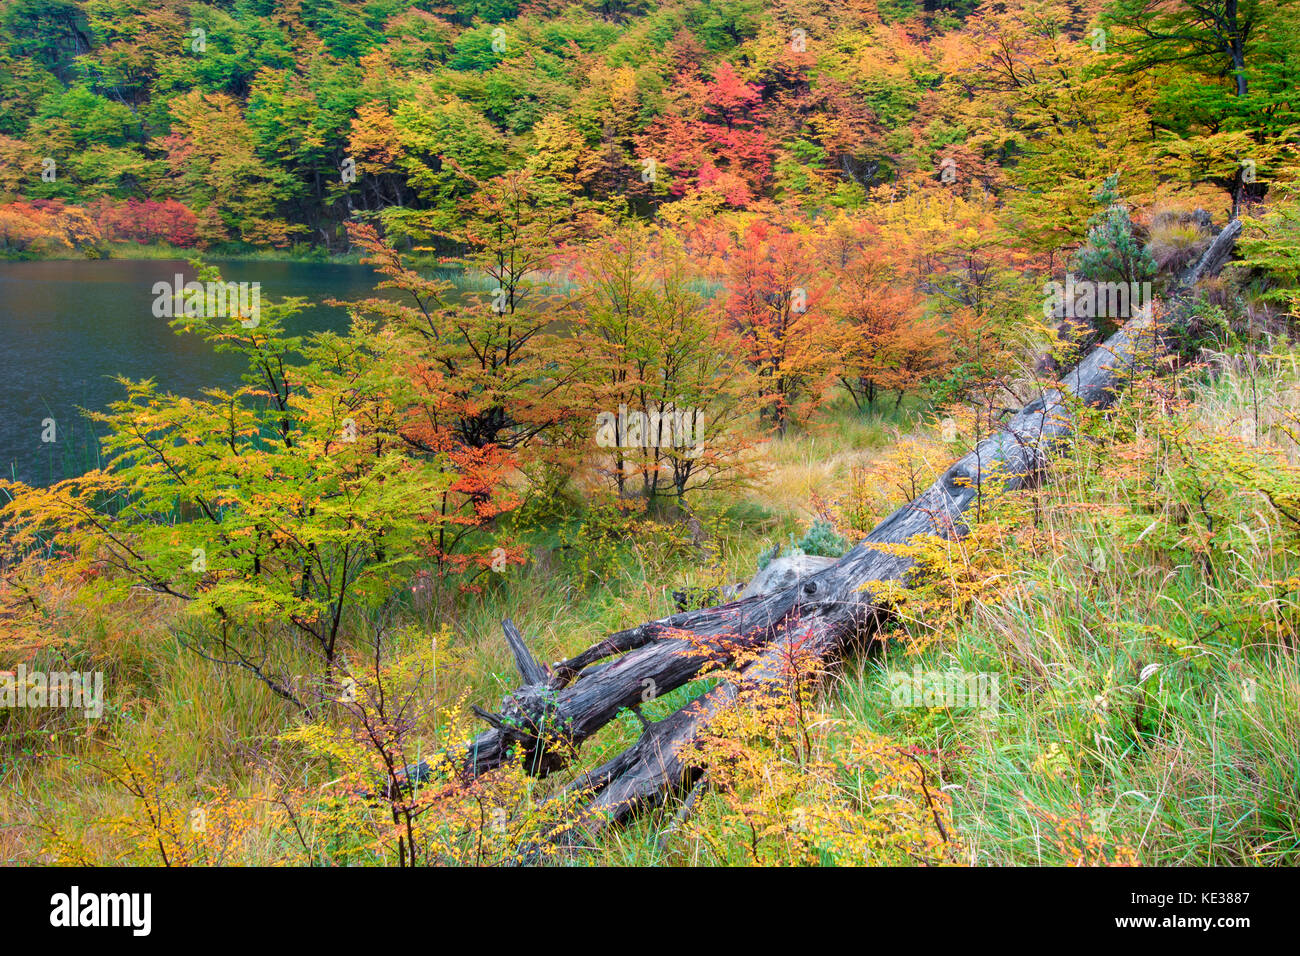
785, 784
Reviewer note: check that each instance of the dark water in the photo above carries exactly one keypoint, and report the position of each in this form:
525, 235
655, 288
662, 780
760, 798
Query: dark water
67, 328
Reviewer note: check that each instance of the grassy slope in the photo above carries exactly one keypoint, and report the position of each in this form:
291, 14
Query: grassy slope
1083, 761
1149, 689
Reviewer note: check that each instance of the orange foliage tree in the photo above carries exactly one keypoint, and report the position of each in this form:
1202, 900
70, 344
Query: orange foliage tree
778, 304
425, 386
885, 341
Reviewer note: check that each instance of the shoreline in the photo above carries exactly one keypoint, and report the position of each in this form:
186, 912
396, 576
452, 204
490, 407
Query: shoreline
179, 253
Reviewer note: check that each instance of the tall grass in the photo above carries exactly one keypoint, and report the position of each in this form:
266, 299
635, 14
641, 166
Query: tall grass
1135, 710
1137, 713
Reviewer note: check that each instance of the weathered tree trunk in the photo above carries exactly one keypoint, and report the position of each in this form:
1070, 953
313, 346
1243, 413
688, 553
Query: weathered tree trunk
838, 606
558, 708
1214, 258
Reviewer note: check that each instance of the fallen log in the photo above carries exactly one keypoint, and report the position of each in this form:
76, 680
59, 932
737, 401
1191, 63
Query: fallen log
839, 604
558, 707
1214, 257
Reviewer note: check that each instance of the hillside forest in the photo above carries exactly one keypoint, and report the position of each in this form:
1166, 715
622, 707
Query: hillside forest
621, 525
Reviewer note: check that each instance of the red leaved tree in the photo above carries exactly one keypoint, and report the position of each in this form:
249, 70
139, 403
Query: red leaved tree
712, 138
777, 302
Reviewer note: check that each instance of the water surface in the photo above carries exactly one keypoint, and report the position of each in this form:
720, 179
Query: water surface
68, 328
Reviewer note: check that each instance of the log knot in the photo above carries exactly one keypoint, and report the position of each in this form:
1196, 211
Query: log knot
531, 723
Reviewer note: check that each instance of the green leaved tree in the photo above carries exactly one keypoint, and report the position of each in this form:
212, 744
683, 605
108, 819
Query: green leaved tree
280, 515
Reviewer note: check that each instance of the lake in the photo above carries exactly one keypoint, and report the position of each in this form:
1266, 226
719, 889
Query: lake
68, 328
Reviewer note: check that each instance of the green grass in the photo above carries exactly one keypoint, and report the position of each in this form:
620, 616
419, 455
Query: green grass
1141, 706
1134, 695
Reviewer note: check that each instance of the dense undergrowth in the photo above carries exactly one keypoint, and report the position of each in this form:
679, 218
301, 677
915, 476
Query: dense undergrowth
1138, 611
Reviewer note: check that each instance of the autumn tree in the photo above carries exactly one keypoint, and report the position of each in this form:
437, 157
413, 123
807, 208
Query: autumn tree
1028, 90
712, 139
1226, 75
777, 304
374, 146
668, 393
444, 147
562, 159
884, 339
215, 167
488, 382
46, 226
272, 512
146, 221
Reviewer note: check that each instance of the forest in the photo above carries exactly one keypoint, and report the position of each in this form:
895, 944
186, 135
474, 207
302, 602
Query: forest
781, 433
